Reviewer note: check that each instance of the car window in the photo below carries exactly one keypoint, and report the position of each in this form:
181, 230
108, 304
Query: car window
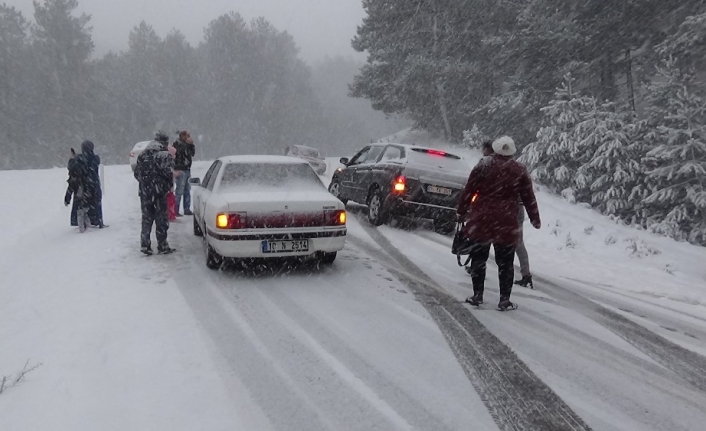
257, 176
373, 155
436, 159
214, 174
309, 152
209, 173
392, 153
360, 157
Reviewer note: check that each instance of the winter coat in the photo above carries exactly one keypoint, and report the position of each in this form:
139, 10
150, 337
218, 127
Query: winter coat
184, 155
154, 171
497, 188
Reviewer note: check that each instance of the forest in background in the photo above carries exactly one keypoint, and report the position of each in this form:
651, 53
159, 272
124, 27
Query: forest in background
242, 89
605, 98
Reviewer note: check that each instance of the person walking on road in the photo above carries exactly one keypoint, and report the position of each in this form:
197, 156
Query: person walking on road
497, 186
185, 151
82, 189
154, 174
522, 255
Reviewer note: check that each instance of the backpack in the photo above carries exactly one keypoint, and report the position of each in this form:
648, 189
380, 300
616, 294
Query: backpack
150, 173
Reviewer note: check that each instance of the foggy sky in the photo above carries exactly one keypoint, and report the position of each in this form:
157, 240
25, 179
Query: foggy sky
319, 27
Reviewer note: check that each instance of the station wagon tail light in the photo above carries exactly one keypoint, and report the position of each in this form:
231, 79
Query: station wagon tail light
231, 221
475, 197
336, 217
400, 184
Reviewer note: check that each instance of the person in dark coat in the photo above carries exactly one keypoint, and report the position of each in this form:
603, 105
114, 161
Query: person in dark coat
489, 205
185, 151
82, 190
90, 161
154, 174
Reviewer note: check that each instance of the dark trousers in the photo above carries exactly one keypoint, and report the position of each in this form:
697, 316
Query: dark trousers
154, 210
504, 258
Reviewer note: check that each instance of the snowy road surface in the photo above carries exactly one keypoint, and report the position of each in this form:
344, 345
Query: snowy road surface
379, 341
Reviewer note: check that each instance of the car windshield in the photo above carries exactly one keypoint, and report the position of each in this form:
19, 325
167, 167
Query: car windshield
309, 152
436, 159
288, 176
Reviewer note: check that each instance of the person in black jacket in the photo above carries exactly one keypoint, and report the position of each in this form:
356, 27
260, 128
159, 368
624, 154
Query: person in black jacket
185, 151
82, 188
154, 174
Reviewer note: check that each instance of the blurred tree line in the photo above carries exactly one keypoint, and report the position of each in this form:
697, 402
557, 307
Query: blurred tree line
243, 89
605, 97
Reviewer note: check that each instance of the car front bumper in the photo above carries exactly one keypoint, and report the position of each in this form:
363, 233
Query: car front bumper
249, 245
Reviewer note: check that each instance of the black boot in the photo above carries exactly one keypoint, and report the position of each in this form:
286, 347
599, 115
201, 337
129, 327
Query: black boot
476, 299
525, 282
505, 304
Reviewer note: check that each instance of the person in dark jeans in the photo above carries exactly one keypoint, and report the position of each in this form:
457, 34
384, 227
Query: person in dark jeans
154, 174
185, 151
489, 205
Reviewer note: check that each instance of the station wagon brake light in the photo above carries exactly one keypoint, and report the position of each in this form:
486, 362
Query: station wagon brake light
400, 184
475, 197
230, 221
436, 153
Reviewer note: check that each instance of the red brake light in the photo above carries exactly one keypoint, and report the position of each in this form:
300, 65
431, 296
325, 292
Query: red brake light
231, 221
475, 197
400, 184
335, 218
437, 153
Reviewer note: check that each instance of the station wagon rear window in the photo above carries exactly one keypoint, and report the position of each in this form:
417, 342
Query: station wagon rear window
436, 159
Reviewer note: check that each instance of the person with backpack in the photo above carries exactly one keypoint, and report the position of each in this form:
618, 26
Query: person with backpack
497, 185
82, 188
154, 174
185, 151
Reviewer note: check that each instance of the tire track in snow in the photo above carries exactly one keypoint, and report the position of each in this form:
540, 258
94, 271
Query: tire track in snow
515, 397
683, 362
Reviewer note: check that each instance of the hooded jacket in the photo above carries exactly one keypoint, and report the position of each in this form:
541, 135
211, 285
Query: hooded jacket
154, 171
184, 155
500, 185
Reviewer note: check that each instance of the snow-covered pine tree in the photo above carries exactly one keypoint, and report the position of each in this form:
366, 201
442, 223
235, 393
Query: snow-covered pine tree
614, 168
474, 138
678, 176
556, 156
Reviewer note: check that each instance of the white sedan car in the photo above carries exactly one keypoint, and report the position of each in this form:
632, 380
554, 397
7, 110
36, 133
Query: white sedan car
266, 207
135, 153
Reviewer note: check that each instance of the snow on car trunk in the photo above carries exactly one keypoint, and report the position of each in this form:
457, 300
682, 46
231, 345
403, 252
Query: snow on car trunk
265, 201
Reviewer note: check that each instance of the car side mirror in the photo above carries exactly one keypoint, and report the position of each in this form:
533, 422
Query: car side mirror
344, 161
195, 181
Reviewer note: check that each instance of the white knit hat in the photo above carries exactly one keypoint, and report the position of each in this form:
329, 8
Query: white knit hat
504, 146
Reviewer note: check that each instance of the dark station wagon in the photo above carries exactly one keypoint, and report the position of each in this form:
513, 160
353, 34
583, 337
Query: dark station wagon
400, 180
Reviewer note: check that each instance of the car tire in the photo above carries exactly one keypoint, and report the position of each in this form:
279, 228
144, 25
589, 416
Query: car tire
197, 228
335, 189
213, 259
377, 210
445, 227
328, 258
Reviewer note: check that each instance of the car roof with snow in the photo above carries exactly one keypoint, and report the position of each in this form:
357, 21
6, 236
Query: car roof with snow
279, 160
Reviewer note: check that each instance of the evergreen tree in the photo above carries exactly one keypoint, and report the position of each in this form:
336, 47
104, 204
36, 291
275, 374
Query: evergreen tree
559, 151
678, 174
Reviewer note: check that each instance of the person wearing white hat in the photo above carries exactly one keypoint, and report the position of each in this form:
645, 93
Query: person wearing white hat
490, 203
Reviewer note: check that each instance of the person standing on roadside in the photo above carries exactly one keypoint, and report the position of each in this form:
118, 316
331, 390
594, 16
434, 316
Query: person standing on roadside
185, 151
154, 174
522, 255
498, 185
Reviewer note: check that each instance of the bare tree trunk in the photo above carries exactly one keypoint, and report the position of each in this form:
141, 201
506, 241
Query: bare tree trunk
631, 83
439, 85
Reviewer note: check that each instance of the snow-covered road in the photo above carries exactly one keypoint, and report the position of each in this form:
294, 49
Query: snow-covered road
379, 341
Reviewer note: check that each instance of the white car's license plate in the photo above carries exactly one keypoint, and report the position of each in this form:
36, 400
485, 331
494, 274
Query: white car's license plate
270, 246
439, 190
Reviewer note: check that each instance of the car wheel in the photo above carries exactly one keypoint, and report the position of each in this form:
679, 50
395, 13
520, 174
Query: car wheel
213, 259
377, 213
197, 228
444, 227
328, 258
335, 189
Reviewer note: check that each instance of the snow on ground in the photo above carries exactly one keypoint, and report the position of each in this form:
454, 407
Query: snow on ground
162, 343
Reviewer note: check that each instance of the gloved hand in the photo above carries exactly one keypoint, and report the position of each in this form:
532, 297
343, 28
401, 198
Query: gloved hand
537, 224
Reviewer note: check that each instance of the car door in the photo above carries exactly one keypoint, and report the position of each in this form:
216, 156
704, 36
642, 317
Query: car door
204, 194
389, 165
348, 186
363, 175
